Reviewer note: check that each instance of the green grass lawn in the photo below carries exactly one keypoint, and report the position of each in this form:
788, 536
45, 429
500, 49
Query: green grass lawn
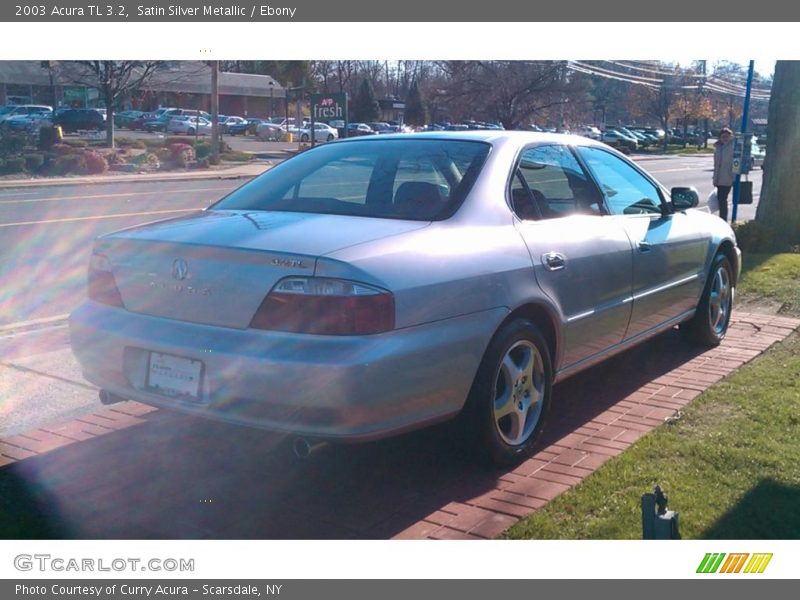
730, 465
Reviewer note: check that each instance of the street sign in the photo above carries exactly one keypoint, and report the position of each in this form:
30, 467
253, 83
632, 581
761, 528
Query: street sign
741, 153
328, 107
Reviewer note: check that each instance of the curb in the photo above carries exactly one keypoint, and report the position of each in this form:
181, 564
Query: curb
58, 182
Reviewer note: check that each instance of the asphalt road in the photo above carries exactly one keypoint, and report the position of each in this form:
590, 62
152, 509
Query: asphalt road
46, 235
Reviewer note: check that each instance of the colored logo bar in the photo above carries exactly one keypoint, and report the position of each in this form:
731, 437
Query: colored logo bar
719, 562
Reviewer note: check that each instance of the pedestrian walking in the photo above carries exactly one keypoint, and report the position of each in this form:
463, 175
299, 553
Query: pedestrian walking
723, 170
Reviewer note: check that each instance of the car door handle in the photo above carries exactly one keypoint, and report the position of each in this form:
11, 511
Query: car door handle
554, 261
645, 247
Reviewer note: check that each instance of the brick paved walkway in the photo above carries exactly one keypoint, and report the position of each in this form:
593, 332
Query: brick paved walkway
130, 471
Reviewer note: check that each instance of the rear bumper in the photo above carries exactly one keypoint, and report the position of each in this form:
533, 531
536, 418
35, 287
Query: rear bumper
329, 387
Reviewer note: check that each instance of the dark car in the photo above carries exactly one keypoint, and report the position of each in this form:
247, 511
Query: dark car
159, 124
126, 118
234, 125
79, 119
357, 129
379, 127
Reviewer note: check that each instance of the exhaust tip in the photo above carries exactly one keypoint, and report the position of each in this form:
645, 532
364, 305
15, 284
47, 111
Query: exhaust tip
107, 398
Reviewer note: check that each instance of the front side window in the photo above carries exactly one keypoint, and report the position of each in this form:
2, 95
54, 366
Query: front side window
403, 179
627, 191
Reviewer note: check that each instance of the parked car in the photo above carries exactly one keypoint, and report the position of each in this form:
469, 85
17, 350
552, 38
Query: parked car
28, 121
16, 110
380, 127
137, 123
343, 295
234, 125
757, 154
79, 119
322, 133
163, 116
619, 140
158, 124
359, 129
126, 117
269, 131
591, 132
188, 125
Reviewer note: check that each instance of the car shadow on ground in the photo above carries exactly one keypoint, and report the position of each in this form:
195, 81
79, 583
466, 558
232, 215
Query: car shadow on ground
177, 477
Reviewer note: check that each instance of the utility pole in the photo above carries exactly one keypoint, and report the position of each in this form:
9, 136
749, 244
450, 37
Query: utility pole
745, 118
703, 95
215, 112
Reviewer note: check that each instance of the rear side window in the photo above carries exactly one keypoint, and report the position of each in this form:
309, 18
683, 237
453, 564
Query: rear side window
552, 180
416, 179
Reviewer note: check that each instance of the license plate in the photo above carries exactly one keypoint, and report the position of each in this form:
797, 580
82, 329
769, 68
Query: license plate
174, 376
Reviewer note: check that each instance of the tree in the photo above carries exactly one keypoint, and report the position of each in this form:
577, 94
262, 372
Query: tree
778, 207
507, 91
416, 112
114, 79
365, 105
658, 102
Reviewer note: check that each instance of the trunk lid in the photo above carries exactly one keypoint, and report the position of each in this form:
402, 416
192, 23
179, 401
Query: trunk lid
216, 267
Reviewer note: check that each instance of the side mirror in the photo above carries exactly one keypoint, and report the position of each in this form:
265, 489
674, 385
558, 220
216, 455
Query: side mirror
684, 198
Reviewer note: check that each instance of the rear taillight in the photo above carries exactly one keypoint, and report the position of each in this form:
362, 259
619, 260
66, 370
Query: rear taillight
102, 285
326, 307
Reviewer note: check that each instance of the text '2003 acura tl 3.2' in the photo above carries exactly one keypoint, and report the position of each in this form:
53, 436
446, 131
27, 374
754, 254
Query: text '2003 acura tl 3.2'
369, 287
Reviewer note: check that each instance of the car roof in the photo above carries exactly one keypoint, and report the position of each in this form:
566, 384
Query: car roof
492, 136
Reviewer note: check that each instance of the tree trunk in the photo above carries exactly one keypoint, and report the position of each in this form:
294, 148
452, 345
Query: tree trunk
779, 206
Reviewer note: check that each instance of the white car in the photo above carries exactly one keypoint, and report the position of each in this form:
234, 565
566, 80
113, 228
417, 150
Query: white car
322, 133
189, 126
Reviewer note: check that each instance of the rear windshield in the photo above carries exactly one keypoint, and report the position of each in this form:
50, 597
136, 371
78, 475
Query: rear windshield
416, 179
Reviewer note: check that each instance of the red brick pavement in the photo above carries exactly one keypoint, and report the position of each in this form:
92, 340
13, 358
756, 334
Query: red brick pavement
106, 475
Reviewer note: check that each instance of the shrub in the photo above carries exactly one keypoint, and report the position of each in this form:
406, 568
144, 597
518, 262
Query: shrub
202, 149
12, 143
34, 162
178, 140
163, 155
95, 162
69, 164
115, 158
124, 142
180, 155
754, 237
15, 165
62, 149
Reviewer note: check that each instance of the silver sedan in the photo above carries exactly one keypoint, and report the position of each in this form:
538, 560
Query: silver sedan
372, 286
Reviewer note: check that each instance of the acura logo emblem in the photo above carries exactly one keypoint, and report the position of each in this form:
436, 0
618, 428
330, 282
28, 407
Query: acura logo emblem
180, 269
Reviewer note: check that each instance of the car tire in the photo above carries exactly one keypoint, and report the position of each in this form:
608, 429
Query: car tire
511, 394
330, 137
713, 314
304, 138
190, 131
